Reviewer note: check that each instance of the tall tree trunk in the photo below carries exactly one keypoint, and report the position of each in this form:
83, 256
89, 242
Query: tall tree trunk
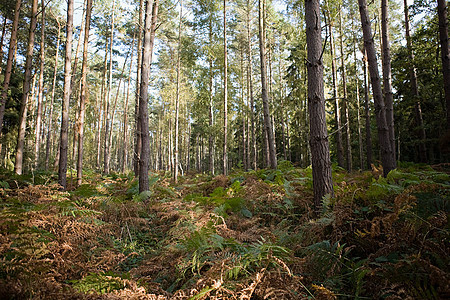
337, 108
2, 41
26, 91
415, 91
137, 141
211, 103
345, 97
143, 100
125, 115
265, 96
225, 91
9, 63
41, 89
358, 105
52, 100
177, 100
387, 81
243, 108
65, 106
108, 124
367, 112
387, 155
445, 53
250, 92
320, 153
83, 94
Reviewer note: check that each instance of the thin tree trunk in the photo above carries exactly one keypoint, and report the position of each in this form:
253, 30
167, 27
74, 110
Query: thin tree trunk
125, 114
250, 79
387, 81
2, 41
50, 124
211, 103
62, 172
9, 63
102, 107
83, 95
387, 155
415, 91
143, 100
345, 96
243, 106
177, 100
445, 53
320, 154
26, 90
358, 104
367, 112
107, 149
41, 89
137, 141
225, 91
337, 108
265, 96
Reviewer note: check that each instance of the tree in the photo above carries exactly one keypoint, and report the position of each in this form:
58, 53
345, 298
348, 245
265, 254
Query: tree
225, 91
41, 89
26, 90
143, 100
83, 94
52, 99
337, 109
108, 124
414, 88
9, 63
445, 53
320, 155
177, 100
387, 82
264, 92
64, 142
387, 154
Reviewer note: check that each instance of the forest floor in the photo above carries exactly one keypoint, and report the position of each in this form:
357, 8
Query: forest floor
250, 235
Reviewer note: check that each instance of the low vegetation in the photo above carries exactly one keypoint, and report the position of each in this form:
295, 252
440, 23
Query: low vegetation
250, 235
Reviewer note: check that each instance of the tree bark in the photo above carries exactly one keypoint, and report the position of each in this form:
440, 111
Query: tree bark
250, 92
345, 97
125, 115
108, 124
211, 103
320, 154
9, 63
26, 90
50, 123
83, 94
387, 80
265, 96
41, 89
367, 113
337, 107
143, 100
2, 41
137, 141
415, 90
445, 53
65, 106
387, 155
177, 100
225, 91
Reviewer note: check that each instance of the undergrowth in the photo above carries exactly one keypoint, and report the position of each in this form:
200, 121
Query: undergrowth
249, 235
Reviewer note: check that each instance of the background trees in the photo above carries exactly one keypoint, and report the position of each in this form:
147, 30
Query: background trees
266, 111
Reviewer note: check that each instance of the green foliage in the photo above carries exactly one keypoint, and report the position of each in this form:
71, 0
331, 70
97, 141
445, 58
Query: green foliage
101, 283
